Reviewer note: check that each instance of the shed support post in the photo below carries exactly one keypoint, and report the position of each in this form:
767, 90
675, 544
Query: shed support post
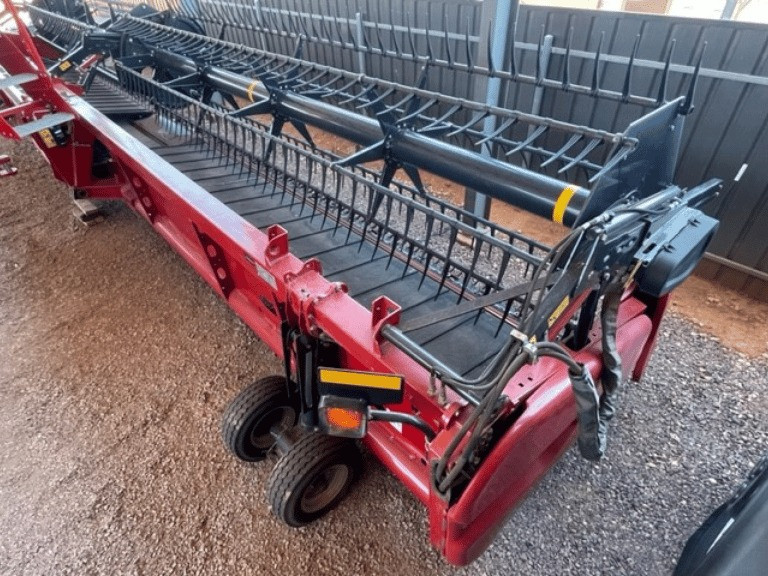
497, 27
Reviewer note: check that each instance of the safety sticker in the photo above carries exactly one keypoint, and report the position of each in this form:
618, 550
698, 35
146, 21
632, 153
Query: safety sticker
558, 311
47, 137
266, 276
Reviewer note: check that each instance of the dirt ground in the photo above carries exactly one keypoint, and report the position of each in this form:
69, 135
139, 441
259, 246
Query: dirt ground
116, 361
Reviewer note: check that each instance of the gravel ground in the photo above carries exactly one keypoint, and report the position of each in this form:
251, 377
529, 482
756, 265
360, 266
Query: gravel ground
116, 362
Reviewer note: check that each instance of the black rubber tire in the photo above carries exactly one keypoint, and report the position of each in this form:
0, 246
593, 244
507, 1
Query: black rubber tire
312, 477
247, 420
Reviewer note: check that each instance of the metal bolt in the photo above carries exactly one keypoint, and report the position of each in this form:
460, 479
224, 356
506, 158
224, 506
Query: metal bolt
432, 389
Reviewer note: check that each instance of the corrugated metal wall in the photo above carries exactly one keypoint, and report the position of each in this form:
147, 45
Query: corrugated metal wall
727, 131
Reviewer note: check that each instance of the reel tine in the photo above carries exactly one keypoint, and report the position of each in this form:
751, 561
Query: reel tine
470, 60
662, 95
447, 40
382, 50
489, 48
628, 77
566, 82
595, 87
411, 38
687, 106
395, 43
540, 47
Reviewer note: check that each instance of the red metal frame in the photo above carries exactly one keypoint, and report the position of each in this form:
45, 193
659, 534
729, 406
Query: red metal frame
248, 267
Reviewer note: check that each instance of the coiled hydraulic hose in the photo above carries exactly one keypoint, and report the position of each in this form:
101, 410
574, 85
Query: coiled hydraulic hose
593, 413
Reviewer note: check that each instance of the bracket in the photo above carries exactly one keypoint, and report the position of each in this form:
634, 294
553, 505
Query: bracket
278, 242
384, 311
6, 166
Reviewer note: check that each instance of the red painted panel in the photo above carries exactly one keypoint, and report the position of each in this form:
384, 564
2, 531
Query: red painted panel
525, 453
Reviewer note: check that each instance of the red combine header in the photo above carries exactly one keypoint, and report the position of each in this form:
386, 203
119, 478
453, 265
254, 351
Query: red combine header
465, 356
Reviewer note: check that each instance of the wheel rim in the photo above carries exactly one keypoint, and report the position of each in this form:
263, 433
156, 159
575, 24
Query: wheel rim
324, 488
260, 436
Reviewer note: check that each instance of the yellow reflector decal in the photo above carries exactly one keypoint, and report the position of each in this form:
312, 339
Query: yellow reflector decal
562, 203
362, 379
249, 90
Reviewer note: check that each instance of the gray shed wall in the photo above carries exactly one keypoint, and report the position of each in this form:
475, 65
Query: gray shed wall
728, 129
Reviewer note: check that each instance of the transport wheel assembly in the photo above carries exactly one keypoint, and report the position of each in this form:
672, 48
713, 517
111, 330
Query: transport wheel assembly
311, 477
251, 420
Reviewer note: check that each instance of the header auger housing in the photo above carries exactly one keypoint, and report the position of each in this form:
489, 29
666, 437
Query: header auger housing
463, 354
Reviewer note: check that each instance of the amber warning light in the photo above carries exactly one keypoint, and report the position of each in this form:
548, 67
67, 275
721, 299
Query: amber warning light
347, 417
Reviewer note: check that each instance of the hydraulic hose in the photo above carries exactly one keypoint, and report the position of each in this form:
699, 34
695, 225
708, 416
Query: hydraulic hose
594, 412
590, 411
477, 422
611, 375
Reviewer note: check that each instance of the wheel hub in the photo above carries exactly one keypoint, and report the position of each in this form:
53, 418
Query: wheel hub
323, 488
